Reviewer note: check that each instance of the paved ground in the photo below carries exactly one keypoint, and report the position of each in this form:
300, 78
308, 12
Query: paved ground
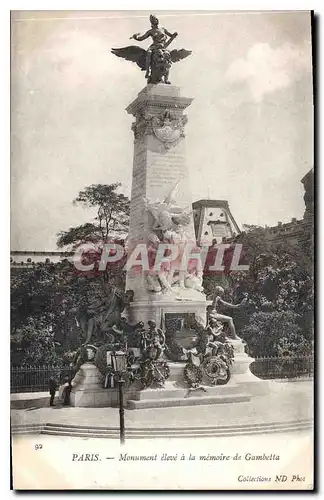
286, 401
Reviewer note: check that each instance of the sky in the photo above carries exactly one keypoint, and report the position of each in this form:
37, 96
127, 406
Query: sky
250, 126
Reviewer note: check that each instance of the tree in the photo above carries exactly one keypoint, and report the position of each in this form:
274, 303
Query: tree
46, 297
34, 344
275, 334
110, 224
111, 219
43, 304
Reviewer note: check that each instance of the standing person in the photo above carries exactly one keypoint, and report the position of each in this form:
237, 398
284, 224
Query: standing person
52, 386
67, 391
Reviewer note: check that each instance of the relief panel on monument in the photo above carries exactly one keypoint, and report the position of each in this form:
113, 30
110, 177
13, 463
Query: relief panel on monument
167, 127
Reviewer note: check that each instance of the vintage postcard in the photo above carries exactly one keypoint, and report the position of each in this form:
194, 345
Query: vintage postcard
162, 264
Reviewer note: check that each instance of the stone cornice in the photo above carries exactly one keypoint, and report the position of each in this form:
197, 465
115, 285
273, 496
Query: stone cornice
158, 96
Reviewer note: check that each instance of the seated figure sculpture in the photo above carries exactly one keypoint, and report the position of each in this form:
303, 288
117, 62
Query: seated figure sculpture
157, 60
161, 37
215, 330
215, 315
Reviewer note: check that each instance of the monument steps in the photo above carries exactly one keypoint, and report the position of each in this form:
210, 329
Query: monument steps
134, 404
138, 433
174, 392
167, 428
178, 436
27, 429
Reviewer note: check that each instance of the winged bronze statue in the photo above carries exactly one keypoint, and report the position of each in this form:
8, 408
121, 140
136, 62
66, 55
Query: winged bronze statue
157, 60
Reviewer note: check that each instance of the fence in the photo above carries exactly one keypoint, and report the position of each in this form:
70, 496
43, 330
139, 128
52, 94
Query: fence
33, 379
36, 378
283, 368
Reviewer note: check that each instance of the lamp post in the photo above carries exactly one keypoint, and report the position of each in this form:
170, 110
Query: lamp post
119, 365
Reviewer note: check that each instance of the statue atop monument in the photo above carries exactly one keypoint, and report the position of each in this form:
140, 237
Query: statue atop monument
157, 60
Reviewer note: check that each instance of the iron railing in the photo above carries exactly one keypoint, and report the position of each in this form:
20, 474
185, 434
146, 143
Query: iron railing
283, 368
36, 378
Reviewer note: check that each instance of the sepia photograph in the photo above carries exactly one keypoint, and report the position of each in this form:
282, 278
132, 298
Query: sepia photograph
162, 250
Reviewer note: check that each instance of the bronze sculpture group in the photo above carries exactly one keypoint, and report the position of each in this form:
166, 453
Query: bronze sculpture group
102, 312
148, 349
157, 60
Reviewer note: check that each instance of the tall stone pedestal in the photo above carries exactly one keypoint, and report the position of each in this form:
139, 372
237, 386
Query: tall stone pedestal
159, 165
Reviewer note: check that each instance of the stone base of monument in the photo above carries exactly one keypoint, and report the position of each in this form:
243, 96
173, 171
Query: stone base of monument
88, 390
170, 395
156, 309
241, 373
242, 386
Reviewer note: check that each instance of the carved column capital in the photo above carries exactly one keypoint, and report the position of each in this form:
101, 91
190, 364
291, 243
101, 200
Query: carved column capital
143, 125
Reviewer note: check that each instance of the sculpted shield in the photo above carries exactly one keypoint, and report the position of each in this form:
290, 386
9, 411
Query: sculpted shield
168, 128
169, 132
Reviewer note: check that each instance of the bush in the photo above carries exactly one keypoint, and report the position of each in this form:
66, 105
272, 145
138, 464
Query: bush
275, 334
33, 344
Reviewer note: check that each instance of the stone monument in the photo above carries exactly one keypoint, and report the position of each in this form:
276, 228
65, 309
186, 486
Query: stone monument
167, 286
175, 353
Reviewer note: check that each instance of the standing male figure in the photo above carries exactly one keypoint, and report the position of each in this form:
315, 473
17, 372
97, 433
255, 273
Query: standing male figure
52, 386
160, 40
67, 391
